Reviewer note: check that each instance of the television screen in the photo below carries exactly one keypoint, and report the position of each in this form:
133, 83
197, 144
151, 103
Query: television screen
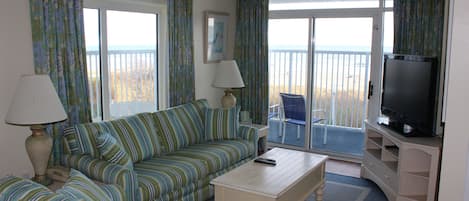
409, 92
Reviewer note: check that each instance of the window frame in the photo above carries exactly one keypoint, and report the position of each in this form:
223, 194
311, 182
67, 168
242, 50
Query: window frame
135, 6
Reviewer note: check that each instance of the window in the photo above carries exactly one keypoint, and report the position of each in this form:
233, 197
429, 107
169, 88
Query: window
330, 4
122, 60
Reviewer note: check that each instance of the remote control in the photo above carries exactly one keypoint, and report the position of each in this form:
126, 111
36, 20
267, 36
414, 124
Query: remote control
266, 161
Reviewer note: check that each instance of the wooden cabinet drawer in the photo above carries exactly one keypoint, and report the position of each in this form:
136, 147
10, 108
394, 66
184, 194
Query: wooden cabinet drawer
385, 174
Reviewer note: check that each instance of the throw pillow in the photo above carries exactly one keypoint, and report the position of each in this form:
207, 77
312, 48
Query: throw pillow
78, 186
112, 151
221, 123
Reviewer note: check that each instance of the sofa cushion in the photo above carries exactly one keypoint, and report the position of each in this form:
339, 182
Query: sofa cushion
218, 154
221, 123
112, 151
16, 188
136, 135
164, 174
180, 126
78, 186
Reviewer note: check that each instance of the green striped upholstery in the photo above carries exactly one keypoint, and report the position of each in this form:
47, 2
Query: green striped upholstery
108, 173
131, 133
250, 134
112, 151
218, 154
78, 186
115, 192
14, 188
180, 126
160, 175
221, 123
137, 135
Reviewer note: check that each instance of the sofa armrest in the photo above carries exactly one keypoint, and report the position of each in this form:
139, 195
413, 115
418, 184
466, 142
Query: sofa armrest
250, 134
106, 172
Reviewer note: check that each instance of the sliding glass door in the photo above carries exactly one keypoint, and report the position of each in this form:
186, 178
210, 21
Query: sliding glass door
326, 61
341, 66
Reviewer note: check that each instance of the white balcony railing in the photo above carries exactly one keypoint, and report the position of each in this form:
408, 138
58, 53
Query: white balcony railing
132, 82
339, 82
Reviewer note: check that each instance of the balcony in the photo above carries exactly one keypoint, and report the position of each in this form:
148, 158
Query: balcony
339, 86
132, 82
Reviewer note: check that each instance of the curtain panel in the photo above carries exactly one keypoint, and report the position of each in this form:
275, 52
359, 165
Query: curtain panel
418, 27
181, 51
59, 50
251, 54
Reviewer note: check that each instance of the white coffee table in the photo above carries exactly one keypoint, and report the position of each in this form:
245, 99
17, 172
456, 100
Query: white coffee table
296, 175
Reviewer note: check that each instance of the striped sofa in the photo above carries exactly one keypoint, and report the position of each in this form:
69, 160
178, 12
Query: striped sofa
172, 158
78, 187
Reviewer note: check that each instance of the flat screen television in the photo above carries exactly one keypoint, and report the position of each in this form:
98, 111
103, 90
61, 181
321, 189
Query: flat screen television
410, 94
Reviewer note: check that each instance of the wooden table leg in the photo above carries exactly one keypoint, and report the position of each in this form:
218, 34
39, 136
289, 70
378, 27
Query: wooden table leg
320, 192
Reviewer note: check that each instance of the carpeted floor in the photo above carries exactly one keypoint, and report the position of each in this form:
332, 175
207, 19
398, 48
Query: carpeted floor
344, 188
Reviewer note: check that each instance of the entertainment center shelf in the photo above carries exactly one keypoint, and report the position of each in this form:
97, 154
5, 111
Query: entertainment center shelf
405, 168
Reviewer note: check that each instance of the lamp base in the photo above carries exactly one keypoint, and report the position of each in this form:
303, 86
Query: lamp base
228, 100
39, 147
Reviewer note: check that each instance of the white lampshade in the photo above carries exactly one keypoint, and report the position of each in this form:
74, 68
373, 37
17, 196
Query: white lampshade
227, 75
35, 102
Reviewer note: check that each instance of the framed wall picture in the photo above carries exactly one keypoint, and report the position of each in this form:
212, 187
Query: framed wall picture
215, 36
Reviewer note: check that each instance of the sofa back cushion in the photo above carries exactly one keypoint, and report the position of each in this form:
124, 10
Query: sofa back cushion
136, 135
182, 125
112, 151
221, 123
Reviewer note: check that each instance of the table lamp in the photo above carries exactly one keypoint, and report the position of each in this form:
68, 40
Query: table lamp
227, 76
36, 103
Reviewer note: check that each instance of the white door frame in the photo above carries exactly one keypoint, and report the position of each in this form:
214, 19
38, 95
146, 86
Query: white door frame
377, 15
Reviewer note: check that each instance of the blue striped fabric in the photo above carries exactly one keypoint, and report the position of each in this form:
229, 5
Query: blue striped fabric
137, 134
250, 134
167, 173
14, 188
105, 172
78, 186
112, 151
131, 133
218, 154
115, 192
181, 126
221, 123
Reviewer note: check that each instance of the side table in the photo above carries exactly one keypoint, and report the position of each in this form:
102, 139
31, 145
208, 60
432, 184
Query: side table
263, 131
58, 175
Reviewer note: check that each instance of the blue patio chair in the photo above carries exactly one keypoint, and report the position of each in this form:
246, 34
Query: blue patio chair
294, 112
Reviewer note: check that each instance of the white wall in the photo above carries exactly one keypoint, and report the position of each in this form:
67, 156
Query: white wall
16, 58
204, 73
453, 183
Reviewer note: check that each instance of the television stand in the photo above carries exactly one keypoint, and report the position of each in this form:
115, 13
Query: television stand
406, 169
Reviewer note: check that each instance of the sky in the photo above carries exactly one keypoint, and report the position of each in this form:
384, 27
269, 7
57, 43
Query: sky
124, 28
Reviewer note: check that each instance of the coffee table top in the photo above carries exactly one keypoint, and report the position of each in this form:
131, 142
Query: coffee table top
271, 181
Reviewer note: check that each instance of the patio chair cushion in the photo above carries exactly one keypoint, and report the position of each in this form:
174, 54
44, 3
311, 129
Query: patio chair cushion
164, 174
181, 126
221, 123
78, 186
218, 154
112, 151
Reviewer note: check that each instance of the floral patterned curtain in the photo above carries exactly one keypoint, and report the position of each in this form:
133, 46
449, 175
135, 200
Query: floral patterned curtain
59, 50
251, 54
181, 51
418, 27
